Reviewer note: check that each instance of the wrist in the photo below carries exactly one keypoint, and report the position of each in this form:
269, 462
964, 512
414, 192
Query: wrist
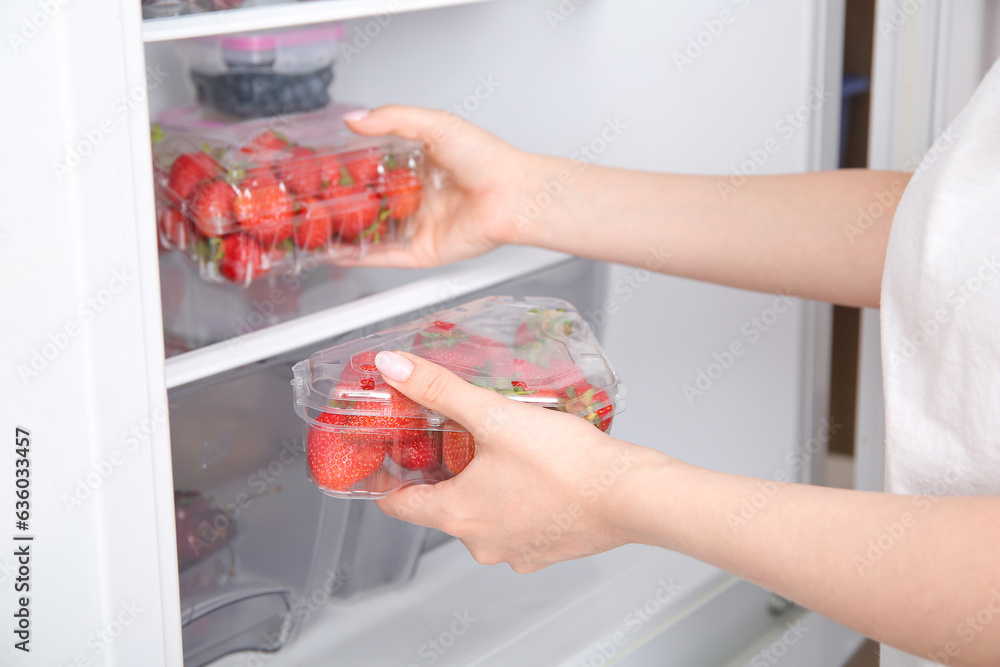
535, 197
633, 502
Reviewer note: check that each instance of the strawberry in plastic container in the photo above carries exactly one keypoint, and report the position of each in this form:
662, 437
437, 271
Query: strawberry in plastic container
309, 188
365, 439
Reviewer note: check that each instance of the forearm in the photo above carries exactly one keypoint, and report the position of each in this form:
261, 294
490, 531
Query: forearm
910, 571
820, 235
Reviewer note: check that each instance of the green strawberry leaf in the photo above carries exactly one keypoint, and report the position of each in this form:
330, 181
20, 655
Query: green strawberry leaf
157, 134
345, 176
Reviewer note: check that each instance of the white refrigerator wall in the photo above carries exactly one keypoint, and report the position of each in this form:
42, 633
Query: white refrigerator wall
105, 586
711, 87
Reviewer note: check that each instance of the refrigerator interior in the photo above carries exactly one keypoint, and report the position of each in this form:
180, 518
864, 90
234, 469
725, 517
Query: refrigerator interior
725, 87
523, 75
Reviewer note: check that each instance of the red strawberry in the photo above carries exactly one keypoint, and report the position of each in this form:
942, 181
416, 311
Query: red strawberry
202, 528
175, 230
336, 463
266, 212
187, 171
415, 449
258, 175
438, 334
458, 359
530, 374
362, 165
315, 227
591, 403
401, 189
301, 172
240, 258
329, 170
354, 209
380, 426
491, 355
457, 449
264, 142
212, 207
403, 405
361, 365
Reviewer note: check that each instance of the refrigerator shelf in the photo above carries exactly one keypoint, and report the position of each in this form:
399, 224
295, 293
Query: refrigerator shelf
280, 15
431, 292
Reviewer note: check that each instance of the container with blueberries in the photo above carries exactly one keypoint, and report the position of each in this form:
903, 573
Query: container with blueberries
268, 73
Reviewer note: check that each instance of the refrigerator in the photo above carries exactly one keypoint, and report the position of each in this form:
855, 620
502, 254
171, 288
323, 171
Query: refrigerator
128, 378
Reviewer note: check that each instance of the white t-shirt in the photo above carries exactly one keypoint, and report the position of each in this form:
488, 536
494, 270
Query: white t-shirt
941, 321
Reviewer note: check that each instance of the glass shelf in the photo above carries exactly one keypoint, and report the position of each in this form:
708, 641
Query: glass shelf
281, 15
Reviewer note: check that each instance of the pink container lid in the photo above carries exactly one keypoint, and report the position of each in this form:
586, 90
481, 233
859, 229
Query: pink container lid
269, 41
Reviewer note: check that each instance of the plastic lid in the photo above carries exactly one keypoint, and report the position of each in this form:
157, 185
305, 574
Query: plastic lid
271, 40
536, 350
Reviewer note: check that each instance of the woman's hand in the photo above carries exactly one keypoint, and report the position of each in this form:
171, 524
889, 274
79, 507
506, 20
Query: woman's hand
472, 212
541, 488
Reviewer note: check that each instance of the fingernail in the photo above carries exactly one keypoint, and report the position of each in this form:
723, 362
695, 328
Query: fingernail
355, 114
394, 366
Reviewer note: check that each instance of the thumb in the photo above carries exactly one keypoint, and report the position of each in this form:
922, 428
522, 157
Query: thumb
441, 390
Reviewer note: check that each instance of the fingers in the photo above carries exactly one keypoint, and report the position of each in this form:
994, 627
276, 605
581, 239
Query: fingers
387, 255
438, 388
420, 124
417, 504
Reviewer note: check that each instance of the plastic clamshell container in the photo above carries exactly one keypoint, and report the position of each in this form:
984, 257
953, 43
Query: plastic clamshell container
256, 198
365, 440
251, 75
